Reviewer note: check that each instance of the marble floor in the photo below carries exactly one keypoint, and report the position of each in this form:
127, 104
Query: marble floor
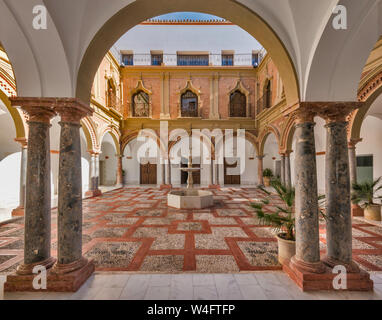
132, 229
273, 285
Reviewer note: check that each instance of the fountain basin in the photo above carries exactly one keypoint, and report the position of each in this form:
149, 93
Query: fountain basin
190, 199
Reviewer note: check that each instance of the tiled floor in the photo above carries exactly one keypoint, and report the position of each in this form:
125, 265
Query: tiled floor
273, 285
132, 229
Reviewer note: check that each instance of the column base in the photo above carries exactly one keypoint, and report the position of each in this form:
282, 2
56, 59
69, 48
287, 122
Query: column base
67, 282
308, 281
93, 193
18, 212
351, 267
165, 186
356, 210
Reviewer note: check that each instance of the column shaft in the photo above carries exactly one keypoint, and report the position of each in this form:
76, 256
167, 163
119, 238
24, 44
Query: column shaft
260, 169
288, 177
119, 181
352, 164
70, 195
168, 175
211, 178
69, 224
338, 210
163, 175
306, 202
37, 229
38, 197
282, 173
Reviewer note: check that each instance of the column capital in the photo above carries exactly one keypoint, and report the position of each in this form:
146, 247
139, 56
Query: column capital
353, 142
260, 157
305, 113
332, 111
23, 142
72, 110
38, 109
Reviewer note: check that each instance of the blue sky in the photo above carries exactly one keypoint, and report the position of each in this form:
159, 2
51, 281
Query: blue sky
187, 15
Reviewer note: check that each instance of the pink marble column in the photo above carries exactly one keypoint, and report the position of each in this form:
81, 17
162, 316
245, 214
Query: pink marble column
260, 169
119, 171
19, 211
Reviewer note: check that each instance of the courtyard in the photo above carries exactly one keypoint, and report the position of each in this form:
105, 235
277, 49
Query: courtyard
133, 229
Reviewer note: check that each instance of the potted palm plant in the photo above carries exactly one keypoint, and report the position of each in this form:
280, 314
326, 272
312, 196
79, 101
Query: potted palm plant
365, 194
267, 176
282, 219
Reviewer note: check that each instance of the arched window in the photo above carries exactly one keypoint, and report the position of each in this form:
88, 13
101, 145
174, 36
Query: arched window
189, 104
238, 104
267, 95
141, 104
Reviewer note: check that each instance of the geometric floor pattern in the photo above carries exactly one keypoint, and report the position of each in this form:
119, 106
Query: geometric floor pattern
132, 229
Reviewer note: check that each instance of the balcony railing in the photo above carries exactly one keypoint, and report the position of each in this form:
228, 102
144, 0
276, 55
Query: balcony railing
240, 59
115, 103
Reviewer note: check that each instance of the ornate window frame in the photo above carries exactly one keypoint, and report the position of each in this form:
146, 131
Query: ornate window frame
240, 87
140, 88
189, 87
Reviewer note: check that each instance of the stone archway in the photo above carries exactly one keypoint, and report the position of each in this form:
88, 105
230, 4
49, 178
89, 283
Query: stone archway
141, 10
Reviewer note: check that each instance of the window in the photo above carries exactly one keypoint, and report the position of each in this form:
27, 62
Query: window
255, 59
193, 60
238, 104
227, 59
128, 59
365, 165
141, 104
267, 95
189, 104
156, 59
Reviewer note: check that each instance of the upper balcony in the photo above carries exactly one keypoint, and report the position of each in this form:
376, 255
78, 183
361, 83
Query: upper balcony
228, 59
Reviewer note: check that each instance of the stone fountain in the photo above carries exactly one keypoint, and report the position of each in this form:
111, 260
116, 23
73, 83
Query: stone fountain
190, 198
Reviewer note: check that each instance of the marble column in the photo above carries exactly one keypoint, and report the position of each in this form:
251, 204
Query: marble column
307, 258
37, 230
19, 211
282, 172
69, 226
119, 181
211, 177
356, 210
93, 176
97, 181
288, 176
260, 169
163, 175
216, 175
168, 173
338, 209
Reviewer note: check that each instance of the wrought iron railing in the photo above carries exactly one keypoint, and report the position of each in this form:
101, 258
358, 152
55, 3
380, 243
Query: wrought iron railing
240, 59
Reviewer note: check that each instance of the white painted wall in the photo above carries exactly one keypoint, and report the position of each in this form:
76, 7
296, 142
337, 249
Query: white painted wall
271, 153
144, 150
371, 133
7, 133
108, 154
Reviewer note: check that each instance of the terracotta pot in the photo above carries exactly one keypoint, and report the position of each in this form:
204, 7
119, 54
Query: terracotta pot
373, 212
287, 249
267, 181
